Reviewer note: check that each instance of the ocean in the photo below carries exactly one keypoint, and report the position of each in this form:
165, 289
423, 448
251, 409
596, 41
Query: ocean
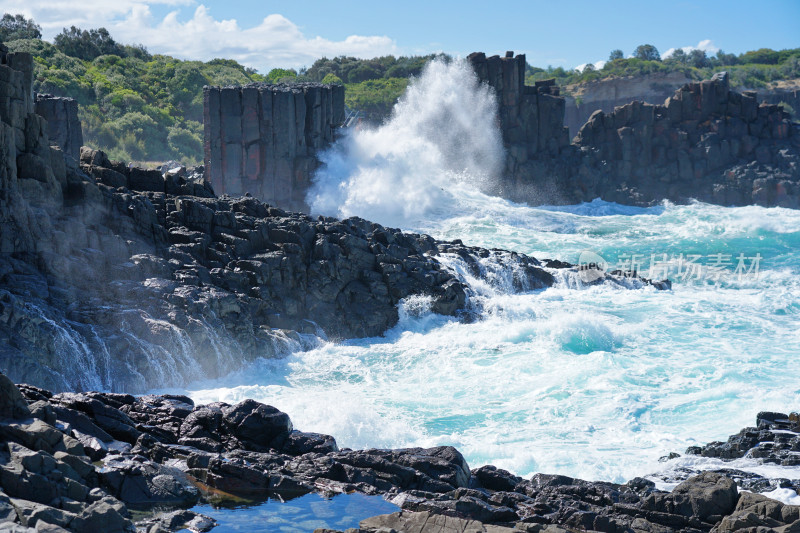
596, 381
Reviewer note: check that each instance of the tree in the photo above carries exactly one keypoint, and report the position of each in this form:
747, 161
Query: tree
647, 52
615, 54
332, 79
363, 73
678, 56
762, 56
87, 45
698, 59
726, 59
13, 27
278, 75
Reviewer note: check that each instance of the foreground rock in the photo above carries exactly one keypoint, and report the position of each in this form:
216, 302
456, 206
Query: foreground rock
81, 461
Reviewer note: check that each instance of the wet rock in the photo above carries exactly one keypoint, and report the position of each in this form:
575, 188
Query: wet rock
113, 421
257, 426
138, 481
178, 520
300, 443
107, 515
496, 479
425, 522
708, 496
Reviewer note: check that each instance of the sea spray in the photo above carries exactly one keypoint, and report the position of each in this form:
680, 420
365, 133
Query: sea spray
597, 383
442, 137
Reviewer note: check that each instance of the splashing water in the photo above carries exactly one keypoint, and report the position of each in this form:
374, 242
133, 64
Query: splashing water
594, 382
441, 138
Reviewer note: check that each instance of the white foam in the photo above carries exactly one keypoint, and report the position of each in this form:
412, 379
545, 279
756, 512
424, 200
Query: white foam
442, 138
596, 383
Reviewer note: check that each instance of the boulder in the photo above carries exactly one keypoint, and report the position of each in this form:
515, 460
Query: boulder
257, 426
12, 403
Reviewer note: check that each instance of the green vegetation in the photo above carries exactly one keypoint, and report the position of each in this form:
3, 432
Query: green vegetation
751, 69
372, 86
134, 105
143, 107
375, 98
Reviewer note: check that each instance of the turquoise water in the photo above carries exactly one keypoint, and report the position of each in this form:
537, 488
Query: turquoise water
594, 382
299, 515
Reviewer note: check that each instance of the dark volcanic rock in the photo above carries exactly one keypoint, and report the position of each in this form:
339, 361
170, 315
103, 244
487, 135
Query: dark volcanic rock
138, 481
118, 278
251, 450
257, 426
705, 142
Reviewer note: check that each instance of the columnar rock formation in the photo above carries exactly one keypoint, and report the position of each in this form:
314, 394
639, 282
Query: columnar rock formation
583, 99
63, 125
100, 259
706, 142
25, 151
693, 144
263, 139
531, 118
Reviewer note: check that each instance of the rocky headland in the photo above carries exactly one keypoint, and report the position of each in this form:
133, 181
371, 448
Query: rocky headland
123, 279
82, 461
705, 142
583, 99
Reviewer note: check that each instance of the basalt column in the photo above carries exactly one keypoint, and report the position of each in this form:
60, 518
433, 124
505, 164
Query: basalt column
531, 117
264, 139
63, 125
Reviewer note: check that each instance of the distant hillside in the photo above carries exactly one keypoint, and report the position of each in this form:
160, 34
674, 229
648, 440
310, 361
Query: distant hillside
141, 107
754, 69
134, 105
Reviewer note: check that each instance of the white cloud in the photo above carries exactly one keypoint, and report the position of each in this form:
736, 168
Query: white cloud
274, 42
707, 46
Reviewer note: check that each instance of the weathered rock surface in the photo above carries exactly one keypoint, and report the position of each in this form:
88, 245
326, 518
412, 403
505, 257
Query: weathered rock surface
583, 99
263, 139
180, 452
705, 142
63, 126
121, 278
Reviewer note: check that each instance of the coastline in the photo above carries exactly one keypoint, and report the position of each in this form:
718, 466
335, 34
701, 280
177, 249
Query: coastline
83, 461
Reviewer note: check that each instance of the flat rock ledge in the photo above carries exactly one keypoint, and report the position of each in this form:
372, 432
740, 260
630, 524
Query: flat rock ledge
82, 461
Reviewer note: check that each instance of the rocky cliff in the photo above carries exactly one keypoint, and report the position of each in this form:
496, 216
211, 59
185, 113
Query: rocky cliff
263, 139
705, 142
583, 99
118, 278
531, 118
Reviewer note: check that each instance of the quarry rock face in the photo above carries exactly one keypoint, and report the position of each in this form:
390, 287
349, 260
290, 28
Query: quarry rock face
263, 139
705, 142
585, 98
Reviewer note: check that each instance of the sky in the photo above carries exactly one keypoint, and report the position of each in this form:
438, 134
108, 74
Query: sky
265, 34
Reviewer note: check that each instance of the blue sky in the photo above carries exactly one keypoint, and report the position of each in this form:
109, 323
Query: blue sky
267, 34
